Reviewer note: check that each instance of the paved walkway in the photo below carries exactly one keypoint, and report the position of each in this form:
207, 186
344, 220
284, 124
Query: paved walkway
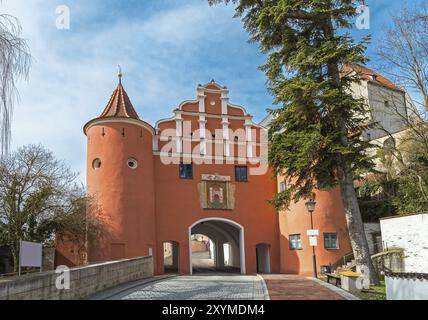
290, 287
197, 287
223, 286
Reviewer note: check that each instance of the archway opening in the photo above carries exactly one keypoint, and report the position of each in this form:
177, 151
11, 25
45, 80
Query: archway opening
224, 250
203, 252
170, 256
263, 258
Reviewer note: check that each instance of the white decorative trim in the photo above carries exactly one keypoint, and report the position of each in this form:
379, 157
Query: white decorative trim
202, 122
226, 136
201, 99
155, 143
241, 240
215, 177
179, 133
224, 92
224, 101
212, 83
207, 157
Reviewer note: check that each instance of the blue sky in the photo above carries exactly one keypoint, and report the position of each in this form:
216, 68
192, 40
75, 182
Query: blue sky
166, 47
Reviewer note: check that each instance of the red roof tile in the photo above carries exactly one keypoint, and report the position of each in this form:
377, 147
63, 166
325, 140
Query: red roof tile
369, 75
120, 105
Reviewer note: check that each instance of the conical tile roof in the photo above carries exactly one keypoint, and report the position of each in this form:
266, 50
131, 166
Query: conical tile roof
119, 106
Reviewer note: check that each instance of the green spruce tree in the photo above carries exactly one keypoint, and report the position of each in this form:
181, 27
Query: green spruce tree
315, 135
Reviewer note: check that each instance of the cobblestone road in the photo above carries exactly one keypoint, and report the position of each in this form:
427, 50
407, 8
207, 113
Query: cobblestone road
203, 287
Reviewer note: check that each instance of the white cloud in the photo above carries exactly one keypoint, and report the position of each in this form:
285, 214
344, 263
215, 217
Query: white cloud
163, 56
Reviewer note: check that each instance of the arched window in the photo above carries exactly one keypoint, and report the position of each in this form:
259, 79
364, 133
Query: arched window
96, 164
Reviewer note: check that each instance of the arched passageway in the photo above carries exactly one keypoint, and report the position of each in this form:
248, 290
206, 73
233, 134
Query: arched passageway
170, 256
203, 252
227, 239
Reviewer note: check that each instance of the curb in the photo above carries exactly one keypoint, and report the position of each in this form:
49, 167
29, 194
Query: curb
265, 288
339, 291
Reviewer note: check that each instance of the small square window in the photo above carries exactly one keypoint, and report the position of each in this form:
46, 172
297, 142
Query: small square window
330, 241
282, 186
186, 171
241, 173
295, 242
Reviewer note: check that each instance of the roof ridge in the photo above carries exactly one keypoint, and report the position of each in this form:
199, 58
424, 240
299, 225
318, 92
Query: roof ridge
370, 75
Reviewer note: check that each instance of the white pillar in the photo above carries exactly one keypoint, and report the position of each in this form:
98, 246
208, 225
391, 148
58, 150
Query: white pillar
224, 100
249, 137
202, 135
179, 131
242, 250
201, 98
226, 136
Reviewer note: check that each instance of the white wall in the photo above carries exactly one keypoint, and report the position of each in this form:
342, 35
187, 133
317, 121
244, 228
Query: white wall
393, 118
406, 289
411, 234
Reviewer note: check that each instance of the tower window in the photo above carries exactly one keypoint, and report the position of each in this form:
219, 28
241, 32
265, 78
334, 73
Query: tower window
96, 164
330, 241
295, 242
241, 173
132, 163
186, 171
282, 186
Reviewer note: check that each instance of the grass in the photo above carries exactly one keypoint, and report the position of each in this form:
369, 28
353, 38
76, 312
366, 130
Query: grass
375, 293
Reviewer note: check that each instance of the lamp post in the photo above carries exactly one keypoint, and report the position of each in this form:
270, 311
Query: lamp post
310, 205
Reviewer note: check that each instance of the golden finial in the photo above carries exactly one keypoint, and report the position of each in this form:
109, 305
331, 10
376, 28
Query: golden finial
120, 74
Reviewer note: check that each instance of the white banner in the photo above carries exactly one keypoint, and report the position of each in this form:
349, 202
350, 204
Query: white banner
31, 254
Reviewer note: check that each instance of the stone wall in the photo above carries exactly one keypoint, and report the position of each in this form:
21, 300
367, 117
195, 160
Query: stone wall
391, 261
84, 281
199, 246
410, 234
48, 259
372, 231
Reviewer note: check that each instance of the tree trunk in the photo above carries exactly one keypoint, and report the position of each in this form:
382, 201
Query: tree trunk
354, 221
15, 258
355, 224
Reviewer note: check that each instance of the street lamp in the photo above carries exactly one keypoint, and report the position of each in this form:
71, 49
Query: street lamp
310, 205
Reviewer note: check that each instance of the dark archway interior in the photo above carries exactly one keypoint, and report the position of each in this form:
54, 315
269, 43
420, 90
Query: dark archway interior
263, 258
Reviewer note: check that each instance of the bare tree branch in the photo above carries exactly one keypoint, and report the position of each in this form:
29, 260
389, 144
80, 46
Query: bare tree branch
15, 61
404, 51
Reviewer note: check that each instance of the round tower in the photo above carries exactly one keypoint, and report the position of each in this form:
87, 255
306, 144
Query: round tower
120, 180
